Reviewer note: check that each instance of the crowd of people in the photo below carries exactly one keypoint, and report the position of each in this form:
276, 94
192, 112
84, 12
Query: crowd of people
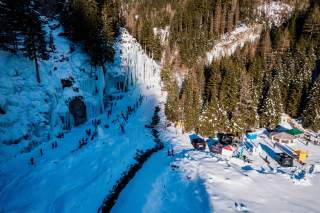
120, 120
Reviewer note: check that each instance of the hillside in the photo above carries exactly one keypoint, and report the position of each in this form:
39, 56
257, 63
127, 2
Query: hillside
159, 106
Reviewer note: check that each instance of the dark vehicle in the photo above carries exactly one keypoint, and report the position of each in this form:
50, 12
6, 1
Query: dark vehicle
199, 143
216, 148
285, 160
225, 139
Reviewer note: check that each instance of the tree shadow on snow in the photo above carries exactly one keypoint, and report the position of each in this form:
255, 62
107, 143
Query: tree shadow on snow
190, 195
269, 151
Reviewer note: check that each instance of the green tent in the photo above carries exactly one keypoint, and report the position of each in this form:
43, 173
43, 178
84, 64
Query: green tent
294, 132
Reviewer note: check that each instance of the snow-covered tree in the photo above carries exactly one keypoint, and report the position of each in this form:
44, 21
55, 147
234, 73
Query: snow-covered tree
271, 108
311, 115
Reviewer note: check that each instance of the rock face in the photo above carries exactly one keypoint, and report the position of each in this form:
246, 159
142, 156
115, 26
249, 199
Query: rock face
2, 112
78, 109
68, 82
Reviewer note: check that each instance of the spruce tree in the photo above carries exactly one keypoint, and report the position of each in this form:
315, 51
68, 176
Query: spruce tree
35, 46
272, 107
311, 115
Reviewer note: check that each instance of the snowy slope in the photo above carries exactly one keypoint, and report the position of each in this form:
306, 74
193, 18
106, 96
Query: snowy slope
71, 178
199, 181
36, 112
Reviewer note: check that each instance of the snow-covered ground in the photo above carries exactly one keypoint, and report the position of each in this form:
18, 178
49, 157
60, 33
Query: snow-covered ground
35, 112
74, 178
230, 42
200, 181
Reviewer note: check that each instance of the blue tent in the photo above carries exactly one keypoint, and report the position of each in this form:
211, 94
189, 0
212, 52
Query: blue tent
251, 135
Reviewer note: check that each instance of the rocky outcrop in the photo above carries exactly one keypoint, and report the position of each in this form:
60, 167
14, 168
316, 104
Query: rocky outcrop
2, 112
68, 82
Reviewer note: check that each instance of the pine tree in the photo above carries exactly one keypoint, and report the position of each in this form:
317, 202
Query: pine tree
213, 119
271, 107
245, 115
94, 25
9, 17
191, 104
34, 42
172, 106
311, 115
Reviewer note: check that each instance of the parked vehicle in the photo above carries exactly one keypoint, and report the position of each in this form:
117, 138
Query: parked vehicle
217, 148
199, 143
225, 139
285, 160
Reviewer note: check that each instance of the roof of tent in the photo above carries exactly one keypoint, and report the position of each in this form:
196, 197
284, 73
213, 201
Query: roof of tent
283, 136
294, 132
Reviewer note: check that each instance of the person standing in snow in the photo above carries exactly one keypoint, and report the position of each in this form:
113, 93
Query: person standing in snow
32, 161
41, 152
52, 145
122, 129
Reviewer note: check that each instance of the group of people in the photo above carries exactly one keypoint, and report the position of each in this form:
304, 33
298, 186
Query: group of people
171, 151
125, 115
96, 122
82, 142
54, 145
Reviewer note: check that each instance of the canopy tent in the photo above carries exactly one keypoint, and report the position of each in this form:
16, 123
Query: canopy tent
295, 132
251, 135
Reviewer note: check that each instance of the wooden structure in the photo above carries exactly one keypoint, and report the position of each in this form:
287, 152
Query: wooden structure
282, 137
